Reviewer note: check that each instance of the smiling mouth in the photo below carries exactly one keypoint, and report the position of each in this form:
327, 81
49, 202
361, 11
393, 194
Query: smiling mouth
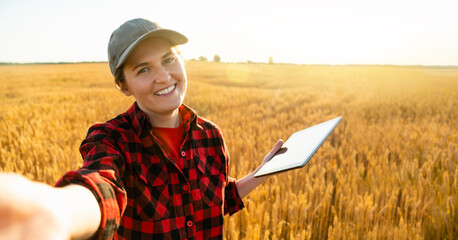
165, 91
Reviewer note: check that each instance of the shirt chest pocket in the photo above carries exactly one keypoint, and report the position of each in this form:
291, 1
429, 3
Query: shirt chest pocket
211, 180
151, 196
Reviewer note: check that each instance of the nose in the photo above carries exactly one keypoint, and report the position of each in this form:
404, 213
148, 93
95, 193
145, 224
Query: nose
162, 75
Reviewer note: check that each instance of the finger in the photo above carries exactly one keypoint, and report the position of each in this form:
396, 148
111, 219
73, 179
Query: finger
281, 151
274, 150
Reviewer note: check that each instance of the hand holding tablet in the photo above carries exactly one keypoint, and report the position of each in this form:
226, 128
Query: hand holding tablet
299, 148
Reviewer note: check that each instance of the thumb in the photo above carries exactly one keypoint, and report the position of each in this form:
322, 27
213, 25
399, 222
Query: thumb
274, 150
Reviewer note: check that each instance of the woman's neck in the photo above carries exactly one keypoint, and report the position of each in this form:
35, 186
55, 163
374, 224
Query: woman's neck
171, 120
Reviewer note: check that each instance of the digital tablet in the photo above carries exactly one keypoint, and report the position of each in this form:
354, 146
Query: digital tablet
299, 148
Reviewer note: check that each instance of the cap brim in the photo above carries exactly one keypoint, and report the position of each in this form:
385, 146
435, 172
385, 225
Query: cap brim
175, 38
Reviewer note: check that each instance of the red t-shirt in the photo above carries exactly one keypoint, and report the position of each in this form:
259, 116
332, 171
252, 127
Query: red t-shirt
172, 138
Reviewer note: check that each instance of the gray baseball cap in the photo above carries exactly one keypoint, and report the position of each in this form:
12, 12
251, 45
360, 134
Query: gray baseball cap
124, 39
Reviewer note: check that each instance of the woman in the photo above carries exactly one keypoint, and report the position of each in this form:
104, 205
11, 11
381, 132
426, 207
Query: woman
157, 171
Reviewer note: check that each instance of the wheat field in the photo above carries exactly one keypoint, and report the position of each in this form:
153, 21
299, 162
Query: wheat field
388, 171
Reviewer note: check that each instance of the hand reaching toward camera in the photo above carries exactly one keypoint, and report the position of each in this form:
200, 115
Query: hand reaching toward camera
32, 210
28, 210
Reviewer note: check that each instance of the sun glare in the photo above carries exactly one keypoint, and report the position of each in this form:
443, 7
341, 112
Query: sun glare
238, 73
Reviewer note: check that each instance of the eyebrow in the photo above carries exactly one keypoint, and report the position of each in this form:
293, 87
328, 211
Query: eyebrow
146, 63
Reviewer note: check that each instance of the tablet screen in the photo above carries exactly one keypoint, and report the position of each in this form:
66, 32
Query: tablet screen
300, 147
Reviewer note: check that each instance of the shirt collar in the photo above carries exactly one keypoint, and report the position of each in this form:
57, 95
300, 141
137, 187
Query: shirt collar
188, 117
140, 121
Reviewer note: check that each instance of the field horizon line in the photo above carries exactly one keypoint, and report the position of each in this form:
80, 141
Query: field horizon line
251, 62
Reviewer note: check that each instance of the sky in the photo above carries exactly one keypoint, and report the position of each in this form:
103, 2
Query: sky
399, 32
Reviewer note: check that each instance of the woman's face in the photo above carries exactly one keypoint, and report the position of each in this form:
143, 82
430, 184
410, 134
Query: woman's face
154, 74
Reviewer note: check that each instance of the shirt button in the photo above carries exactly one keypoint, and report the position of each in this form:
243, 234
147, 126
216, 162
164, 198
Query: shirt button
183, 154
189, 223
185, 188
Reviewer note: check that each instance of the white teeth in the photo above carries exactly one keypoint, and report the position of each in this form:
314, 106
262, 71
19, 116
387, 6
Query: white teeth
165, 91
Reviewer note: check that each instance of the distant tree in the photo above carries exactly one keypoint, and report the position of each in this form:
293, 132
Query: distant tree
216, 58
202, 59
271, 60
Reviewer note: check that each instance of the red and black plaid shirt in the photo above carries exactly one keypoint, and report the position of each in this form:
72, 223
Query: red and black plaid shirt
143, 193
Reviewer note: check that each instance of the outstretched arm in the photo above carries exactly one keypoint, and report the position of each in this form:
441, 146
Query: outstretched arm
248, 183
32, 210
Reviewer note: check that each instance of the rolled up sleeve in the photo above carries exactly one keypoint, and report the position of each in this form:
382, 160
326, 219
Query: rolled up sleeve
232, 201
102, 167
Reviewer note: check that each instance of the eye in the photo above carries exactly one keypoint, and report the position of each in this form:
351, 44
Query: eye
143, 70
168, 60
